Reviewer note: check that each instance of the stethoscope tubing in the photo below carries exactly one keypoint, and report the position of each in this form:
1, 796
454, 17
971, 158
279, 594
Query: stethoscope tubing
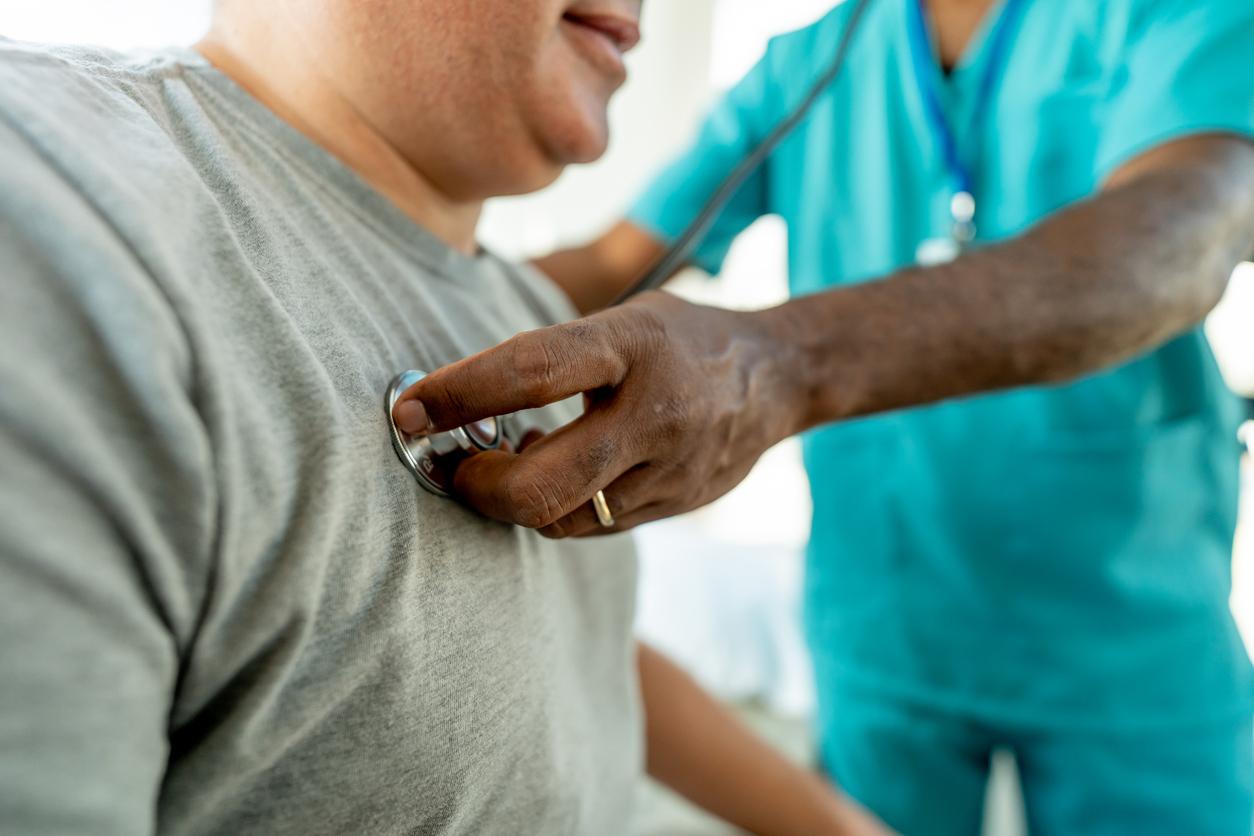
680, 252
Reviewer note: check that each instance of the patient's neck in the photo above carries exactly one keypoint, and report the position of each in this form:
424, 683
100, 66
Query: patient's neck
300, 96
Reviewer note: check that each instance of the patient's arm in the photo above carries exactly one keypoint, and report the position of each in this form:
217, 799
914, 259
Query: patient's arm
595, 274
698, 748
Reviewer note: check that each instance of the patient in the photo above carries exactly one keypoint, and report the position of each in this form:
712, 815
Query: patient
225, 606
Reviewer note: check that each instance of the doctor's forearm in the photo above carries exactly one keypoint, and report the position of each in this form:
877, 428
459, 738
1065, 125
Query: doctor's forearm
1091, 287
685, 398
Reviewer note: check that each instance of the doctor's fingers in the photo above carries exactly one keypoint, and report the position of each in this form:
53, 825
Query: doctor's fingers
553, 477
639, 496
641, 516
530, 437
533, 369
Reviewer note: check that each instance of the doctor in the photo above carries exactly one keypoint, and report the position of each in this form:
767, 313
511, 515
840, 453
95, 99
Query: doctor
1021, 459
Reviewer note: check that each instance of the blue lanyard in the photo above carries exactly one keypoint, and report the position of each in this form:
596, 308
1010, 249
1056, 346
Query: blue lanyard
925, 70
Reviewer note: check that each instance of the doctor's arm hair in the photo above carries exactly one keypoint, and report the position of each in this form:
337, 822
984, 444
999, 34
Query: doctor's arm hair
1091, 287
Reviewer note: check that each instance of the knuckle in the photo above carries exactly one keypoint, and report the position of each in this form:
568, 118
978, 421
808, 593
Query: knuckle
450, 402
648, 328
596, 342
599, 456
531, 500
534, 366
603, 349
672, 418
582, 330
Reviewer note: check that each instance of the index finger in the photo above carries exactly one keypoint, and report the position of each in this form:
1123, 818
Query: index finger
533, 369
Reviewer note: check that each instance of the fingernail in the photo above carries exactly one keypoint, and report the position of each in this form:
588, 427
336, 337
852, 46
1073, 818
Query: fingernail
411, 417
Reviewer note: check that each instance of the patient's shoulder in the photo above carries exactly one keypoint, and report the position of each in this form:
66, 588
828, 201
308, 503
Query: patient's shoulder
102, 120
65, 92
118, 131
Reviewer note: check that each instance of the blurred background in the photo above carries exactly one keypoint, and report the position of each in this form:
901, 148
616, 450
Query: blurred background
720, 588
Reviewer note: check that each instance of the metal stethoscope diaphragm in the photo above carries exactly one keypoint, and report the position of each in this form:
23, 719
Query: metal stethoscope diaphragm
432, 458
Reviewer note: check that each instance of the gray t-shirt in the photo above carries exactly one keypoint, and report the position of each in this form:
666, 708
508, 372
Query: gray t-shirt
225, 606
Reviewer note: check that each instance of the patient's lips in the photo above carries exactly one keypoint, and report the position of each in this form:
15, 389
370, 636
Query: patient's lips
621, 30
603, 32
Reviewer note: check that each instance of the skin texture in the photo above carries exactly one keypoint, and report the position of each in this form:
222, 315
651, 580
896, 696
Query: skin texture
682, 399
440, 104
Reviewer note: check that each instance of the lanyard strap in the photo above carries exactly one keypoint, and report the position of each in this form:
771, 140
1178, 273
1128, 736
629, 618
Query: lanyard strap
927, 78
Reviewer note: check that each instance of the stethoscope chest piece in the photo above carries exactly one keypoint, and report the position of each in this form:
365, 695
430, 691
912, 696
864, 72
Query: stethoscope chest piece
433, 458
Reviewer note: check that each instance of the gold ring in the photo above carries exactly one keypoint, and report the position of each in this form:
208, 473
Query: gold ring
603, 510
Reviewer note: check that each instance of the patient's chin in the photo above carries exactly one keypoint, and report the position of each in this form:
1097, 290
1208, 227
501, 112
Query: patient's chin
567, 109
588, 149
582, 137
536, 178
563, 129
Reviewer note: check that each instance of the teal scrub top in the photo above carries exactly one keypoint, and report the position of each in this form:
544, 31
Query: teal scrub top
1058, 555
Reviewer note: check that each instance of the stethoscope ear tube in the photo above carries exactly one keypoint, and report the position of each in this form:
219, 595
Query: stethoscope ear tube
679, 253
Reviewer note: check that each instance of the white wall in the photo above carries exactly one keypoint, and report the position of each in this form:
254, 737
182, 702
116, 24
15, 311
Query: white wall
1231, 331
120, 24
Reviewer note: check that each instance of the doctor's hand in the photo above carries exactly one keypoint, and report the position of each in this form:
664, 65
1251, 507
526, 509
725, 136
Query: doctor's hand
680, 401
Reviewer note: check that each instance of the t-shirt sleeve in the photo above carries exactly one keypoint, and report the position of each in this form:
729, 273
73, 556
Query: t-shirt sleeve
731, 130
103, 509
1186, 67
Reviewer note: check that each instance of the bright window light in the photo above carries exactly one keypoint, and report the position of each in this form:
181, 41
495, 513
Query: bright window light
119, 25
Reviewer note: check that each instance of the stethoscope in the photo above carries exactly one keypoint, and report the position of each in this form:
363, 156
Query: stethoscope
962, 203
432, 459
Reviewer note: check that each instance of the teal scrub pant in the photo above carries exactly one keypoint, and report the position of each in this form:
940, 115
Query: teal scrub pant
925, 773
